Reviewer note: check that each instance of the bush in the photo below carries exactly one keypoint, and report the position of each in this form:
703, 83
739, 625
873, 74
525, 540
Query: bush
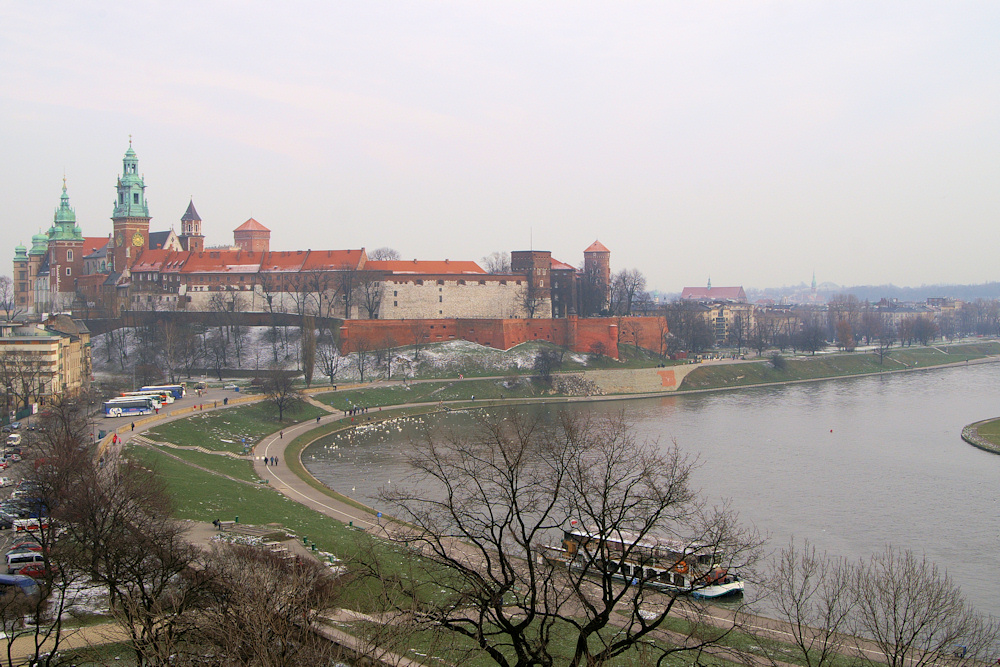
778, 362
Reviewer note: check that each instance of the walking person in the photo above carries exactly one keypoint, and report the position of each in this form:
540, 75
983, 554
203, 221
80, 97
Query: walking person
133, 426
281, 435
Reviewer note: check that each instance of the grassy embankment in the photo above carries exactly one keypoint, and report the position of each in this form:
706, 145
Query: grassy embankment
990, 431
835, 365
203, 496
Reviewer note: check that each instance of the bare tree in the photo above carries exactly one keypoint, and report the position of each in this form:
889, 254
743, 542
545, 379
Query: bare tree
280, 391
915, 614
384, 253
329, 355
262, 608
811, 593
364, 349
371, 286
482, 507
532, 296
497, 262
308, 348
884, 334
8, 300
346, 280
844, 335
420, 335
119, 530
626, 287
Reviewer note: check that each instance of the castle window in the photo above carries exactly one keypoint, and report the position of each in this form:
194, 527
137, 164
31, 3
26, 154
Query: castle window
440, 299
135, 197
69, 255
69, 271
395, 303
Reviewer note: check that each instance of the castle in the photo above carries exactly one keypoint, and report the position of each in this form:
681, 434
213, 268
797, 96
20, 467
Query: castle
139, 270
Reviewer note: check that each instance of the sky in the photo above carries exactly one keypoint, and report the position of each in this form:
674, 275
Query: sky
750, 143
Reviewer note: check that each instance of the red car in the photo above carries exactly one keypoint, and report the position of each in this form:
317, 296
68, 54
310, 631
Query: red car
39, 571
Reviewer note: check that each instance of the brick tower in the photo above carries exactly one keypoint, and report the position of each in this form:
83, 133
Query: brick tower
252, 236
191, 237
131, 216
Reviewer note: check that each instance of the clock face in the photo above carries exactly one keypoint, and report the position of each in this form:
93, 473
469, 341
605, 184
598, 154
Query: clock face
137, 240
120, 240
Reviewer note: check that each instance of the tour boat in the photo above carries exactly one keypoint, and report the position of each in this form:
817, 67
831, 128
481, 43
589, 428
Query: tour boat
655, 562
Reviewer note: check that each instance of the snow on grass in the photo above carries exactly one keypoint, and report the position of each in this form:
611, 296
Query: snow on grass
433, 360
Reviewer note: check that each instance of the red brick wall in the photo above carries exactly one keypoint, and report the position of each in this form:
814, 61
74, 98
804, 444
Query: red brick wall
580, 335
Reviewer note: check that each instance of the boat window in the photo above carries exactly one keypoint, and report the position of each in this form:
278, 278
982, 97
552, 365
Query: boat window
678, 579
626, 570
651, 573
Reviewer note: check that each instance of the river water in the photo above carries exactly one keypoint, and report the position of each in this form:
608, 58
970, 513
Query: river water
849, 464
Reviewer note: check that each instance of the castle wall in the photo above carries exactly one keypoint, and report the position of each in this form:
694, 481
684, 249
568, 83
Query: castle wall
598, 334
454, 297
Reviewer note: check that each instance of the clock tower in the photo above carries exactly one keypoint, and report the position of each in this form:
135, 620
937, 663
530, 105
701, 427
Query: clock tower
131, 215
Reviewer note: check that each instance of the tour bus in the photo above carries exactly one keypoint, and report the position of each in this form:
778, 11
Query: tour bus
160, 395
129, 405
175, 390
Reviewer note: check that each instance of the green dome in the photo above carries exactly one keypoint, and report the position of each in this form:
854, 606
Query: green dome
65, 214
39, 244
20, 254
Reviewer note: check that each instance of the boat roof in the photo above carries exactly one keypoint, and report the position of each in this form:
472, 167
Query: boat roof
652, 542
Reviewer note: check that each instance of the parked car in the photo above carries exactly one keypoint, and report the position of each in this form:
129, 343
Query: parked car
14, 439
15, 425
39, 570
26, 545
6, 521
6, 481
16, 584
21, 559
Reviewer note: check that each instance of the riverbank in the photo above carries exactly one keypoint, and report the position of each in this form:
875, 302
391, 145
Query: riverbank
984, 434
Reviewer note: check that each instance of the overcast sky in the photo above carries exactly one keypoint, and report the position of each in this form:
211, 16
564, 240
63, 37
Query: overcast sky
749, 142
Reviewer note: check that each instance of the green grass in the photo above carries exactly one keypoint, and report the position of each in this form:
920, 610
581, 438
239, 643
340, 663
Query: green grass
202, 496
224, 430
237, 468
713, 376
990, 431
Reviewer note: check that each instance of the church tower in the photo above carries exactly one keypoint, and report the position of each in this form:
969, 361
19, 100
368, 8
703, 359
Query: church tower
131, 216
191, 237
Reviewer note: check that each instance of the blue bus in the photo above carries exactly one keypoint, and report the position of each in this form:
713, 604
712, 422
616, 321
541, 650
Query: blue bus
175, 390
126, 406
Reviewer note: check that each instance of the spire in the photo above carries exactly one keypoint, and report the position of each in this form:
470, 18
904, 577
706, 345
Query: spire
190, 214
131, 188
814, 280
710, 282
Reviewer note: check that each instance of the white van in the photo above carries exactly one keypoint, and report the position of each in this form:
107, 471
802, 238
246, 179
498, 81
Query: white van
14, 439
17, 561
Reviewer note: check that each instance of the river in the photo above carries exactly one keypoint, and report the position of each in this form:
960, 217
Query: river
849, 464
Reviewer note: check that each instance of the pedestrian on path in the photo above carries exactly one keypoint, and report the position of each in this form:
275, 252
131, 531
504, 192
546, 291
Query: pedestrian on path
133, 426
281, 435
265, 461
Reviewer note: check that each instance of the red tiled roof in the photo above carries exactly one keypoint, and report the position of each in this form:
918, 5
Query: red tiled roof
283, 261
424, 267
561, 266
597, 246
714, 294
150, 260
334, 260
251, 225
222, 261
92, 243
